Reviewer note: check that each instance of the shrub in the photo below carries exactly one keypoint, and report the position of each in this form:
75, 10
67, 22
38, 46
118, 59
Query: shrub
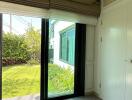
33, 62
61, 79
8, 61
19, 49
14, 50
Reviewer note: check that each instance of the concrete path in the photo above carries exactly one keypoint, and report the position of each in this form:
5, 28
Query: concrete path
28, 97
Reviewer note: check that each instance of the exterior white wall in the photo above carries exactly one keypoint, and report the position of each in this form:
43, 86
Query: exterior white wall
59, 26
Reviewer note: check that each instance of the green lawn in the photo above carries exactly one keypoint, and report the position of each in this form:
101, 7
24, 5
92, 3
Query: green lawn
20, 80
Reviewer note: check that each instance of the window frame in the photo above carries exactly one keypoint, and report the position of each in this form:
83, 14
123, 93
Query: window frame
79, 74
1, 21
80, 42
65, 31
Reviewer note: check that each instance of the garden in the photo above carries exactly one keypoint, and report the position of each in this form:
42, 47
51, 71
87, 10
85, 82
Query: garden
21, 67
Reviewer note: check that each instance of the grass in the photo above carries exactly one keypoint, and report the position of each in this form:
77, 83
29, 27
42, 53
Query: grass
20, 80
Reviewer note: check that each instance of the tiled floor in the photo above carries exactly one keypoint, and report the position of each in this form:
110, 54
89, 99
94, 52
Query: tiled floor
85, 98
36, 97
28, 97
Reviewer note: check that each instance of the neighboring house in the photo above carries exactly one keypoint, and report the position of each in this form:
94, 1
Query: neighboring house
62, 43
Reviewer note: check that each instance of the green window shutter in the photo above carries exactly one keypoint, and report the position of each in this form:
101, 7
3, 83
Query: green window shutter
67, 45
64, 46
71, 39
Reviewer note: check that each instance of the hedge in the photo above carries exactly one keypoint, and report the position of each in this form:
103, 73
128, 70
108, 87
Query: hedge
14, 49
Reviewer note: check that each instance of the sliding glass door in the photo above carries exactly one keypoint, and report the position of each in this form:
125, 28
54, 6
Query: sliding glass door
40, 58
61, 58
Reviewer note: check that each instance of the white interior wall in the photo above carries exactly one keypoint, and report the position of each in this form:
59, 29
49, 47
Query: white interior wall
113, 54
89, 70
97, 65
110, 66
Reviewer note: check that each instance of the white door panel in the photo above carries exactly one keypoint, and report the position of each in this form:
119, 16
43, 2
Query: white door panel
129, 52
113, 65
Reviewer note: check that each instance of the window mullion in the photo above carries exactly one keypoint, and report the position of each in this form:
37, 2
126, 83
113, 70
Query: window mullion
1, 56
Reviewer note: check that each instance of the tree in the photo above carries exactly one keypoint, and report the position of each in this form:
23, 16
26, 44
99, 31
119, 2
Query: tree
33, 41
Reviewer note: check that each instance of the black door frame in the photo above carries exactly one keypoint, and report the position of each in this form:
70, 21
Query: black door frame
80, 49
80, 46
79, 76
1, 56
44, 59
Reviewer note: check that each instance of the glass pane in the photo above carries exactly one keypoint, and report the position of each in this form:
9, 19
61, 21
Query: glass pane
71, 38
63, 47
21, 57
61, 63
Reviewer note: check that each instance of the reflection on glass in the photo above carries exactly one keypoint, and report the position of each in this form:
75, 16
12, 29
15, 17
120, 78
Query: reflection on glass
61, 58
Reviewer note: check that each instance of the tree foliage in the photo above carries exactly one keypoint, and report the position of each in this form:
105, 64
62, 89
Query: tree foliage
21, 48
13, 49
32, 39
